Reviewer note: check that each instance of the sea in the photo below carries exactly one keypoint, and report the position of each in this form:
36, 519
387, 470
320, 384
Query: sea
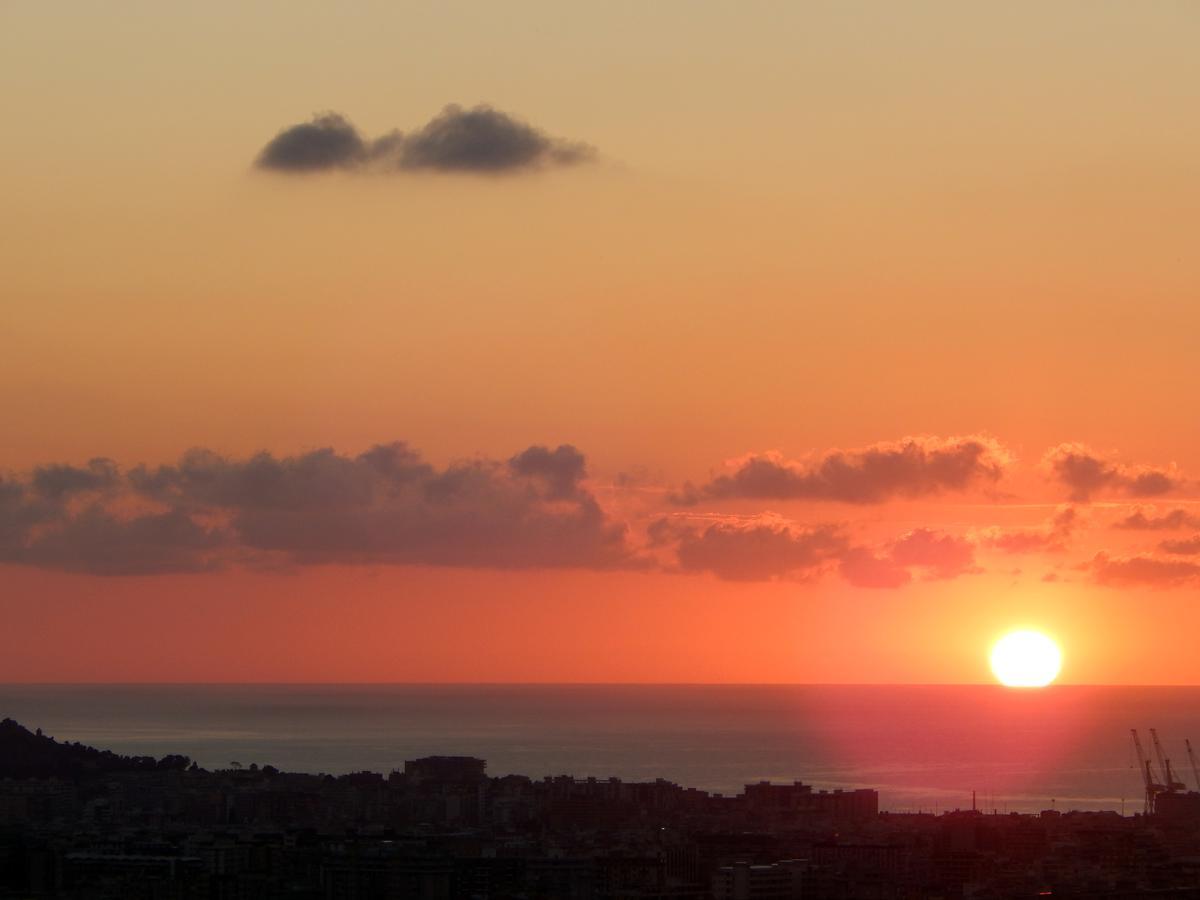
923, 747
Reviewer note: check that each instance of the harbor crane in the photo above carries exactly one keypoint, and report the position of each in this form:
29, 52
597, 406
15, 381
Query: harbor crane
1153, 787
1192, 759
1164, 765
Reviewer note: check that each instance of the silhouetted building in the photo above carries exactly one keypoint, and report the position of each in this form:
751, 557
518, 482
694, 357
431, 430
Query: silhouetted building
81, 824
445, 770
777, 881
1177, 807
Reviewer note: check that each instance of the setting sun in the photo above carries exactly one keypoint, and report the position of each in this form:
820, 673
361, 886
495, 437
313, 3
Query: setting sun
1026, 659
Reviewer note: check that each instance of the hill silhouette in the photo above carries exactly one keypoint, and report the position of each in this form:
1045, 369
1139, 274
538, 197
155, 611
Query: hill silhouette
29, 754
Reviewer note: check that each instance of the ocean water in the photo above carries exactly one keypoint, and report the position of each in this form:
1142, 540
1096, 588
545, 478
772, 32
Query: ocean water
922, 747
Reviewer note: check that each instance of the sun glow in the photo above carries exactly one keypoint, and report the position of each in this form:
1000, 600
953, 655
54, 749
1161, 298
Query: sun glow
1026, 659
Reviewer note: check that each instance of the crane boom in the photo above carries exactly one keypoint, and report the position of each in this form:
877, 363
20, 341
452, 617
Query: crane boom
1164, 765
1143, 761
1153, 788
1192, 759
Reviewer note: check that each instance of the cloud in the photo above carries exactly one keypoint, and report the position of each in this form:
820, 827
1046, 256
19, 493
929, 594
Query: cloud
561, 469
386, 505
768, 547
479, 139
912, 467
98, 542
1085, 473
483, 139
930, 553
755, 550
320, 480
1170, 521
57, 481
1149, 571
20, 511
1053, 537
863, 568
1190, 547
939, 555
327, 142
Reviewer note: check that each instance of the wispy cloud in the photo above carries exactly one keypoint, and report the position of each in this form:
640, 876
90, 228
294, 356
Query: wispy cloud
1053, 537
1143, 570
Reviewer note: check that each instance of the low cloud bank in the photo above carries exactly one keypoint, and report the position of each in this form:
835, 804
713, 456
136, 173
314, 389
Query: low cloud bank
767, 547
908, 468
537, 510
386, 505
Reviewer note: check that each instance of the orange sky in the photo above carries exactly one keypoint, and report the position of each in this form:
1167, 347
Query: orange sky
806, 229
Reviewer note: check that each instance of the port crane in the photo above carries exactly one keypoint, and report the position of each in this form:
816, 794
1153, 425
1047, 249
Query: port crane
1192, 759
1164, 765
1153, 787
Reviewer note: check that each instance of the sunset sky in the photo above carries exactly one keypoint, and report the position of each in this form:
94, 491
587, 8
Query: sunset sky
785, 342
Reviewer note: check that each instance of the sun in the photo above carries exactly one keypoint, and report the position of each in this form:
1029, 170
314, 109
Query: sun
1026, 659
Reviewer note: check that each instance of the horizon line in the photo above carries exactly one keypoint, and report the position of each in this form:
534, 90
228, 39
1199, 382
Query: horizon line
874, 684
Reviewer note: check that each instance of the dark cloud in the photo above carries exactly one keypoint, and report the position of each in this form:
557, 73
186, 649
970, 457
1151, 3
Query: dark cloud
913, 467
1053, 537
319, 480
1148, 571
388, 149
483, 139
383, 506
97, 542
386, 505
754, 550
1171, 521
480, 139
327, 142
767, 547
1190, 547
38, 528
561, 469
20, 511
396, 463
57, 482
1085, 473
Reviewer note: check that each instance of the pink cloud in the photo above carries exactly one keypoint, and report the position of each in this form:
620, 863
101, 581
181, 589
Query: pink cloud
933, 554
1050, 538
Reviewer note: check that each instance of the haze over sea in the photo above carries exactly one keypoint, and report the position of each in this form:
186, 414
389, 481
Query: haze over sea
922, 747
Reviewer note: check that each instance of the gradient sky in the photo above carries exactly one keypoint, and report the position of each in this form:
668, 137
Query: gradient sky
865, 332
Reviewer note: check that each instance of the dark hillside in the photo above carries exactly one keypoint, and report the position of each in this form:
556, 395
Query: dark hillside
26, 754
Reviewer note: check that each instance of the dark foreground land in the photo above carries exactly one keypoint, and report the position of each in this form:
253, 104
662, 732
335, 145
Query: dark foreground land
76, 822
